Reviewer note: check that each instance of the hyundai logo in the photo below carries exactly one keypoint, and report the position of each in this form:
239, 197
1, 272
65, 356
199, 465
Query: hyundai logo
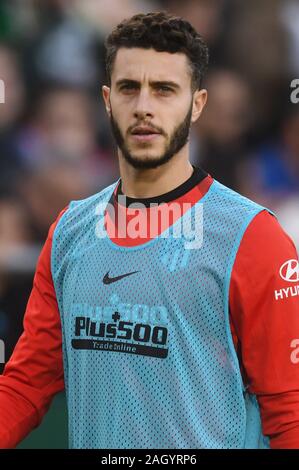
289, 271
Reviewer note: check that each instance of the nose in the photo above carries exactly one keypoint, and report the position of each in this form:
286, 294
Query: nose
143, 105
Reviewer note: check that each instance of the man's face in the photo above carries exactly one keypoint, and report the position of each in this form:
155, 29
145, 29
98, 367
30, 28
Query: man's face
150, 105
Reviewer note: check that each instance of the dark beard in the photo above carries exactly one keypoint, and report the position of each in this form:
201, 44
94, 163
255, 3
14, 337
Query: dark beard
178, 139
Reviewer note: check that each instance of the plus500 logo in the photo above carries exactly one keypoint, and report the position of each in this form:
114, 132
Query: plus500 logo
123, 330
144, 313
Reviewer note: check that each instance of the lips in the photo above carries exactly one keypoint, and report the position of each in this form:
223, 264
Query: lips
144, 130
144, 134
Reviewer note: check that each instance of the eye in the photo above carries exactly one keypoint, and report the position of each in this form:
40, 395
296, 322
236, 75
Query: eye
164, 89
128, 87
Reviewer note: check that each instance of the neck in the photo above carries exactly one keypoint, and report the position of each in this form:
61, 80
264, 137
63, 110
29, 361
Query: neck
146, 183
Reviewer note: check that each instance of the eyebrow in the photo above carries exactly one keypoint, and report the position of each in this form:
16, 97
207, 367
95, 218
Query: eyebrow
126, 81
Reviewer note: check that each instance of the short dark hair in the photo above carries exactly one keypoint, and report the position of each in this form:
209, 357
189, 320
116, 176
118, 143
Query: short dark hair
164, 33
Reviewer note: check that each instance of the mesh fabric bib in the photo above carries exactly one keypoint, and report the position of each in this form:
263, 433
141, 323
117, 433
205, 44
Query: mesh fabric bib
148, 354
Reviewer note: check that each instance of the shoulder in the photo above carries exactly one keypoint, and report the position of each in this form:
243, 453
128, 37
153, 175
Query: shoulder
230, 197
81, 212
231, 212
265, 232
264, 249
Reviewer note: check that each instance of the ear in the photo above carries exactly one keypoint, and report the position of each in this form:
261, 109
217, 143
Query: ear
199, 101
106, 97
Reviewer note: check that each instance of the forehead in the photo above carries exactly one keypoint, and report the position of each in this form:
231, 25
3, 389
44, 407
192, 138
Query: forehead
148, 64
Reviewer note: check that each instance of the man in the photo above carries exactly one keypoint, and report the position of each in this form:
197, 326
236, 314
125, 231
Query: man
172, 337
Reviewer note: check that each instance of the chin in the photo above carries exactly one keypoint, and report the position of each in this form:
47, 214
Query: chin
146, 162
144, 155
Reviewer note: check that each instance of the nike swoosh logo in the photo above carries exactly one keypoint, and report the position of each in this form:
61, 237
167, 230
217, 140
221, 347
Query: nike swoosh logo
109, 280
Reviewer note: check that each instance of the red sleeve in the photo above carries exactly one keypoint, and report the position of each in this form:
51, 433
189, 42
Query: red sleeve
264, 308
34, 373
